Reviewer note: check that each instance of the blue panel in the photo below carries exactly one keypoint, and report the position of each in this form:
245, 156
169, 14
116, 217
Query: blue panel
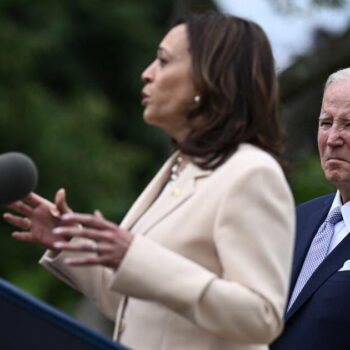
26, 322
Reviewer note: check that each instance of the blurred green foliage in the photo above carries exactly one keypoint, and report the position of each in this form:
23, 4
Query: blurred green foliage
70, 99
308, 180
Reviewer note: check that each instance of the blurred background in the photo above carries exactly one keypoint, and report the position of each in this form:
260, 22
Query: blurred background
70, 99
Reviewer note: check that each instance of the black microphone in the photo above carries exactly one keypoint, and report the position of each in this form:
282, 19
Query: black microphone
18, 177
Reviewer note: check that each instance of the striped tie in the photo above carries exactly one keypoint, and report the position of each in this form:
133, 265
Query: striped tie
317, 252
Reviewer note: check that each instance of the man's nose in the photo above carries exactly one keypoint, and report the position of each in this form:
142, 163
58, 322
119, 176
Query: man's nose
335, 137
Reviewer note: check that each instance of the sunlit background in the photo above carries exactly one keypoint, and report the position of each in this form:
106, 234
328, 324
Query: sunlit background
295, 27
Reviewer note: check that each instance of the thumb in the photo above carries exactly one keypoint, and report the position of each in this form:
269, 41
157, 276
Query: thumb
98, 214
61, 203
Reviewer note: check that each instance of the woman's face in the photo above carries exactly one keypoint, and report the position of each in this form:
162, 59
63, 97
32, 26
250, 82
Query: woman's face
169, 90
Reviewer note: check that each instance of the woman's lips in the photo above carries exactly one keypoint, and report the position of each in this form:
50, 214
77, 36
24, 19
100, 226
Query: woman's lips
145, 99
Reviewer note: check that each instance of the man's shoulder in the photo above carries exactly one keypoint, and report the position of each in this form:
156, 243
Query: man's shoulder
316, 202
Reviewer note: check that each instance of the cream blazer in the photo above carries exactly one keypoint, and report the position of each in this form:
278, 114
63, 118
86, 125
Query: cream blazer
210, 263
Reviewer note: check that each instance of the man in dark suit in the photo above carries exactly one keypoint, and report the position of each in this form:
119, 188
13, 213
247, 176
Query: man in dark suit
318, 311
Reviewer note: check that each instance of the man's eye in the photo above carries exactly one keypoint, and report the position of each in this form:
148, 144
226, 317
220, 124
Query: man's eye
325, 124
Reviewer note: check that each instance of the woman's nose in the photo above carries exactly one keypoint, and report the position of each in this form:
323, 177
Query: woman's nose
148, 74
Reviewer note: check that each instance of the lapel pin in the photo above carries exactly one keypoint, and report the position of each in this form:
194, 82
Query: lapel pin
175, 192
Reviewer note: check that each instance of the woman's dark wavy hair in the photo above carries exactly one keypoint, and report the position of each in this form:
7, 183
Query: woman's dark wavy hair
233, 69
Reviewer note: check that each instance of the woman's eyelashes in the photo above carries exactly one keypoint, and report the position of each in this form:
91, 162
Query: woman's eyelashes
162, 61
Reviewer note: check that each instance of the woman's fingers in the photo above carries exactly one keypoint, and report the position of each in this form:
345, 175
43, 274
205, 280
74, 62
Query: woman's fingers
98, 214
93, 221
24, 236
101, 253
18, 221
34, 199
80, 246
26, 206
74, 231
21, 208
84, 246
37, 217
105, 242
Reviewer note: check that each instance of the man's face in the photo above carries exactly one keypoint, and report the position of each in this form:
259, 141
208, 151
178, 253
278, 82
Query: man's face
334, 134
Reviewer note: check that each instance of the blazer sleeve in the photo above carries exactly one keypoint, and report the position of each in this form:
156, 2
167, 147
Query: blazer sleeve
253, 234
92, 281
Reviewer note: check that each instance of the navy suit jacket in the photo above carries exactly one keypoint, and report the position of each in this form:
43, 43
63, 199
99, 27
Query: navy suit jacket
319, 319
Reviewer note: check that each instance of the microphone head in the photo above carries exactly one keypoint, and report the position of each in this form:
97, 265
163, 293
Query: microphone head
18, 177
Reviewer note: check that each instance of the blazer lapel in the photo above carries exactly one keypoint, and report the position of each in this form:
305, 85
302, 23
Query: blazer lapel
149, 194
173, 198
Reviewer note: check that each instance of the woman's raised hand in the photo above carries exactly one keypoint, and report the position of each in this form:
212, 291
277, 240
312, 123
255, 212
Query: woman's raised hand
107, 240
38, 218
53, 225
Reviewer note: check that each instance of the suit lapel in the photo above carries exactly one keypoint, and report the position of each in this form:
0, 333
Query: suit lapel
332, 262
330, 265
308, 225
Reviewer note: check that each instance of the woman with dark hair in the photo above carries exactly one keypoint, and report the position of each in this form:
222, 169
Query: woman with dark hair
202, 259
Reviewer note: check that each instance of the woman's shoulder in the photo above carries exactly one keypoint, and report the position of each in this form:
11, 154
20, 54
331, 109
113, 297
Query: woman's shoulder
252, 170
249, 156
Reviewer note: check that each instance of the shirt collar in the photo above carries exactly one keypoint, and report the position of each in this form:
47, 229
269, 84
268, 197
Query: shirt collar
345, 209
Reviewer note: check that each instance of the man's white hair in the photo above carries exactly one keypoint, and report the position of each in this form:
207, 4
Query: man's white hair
340, 75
